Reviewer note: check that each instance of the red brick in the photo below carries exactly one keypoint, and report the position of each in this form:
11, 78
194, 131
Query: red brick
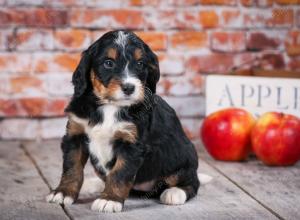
15, 62
20, 84
187, 19
39, 17
56, 107
208, 19
172, 19
213, 63
292, 43
218, 2
72, 39
121, 18
272, 61
67, 62
287, 2
260, 3
8, 108
257, 18
34, 39
55, 62
264, 40
282, 17
33, 107
294, 63
232, 19
144, 2
190, 40
297, 18
228, 41
156, 40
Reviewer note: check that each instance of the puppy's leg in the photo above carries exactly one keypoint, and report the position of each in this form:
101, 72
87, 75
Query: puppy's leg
118, 182
183, 185
75, 155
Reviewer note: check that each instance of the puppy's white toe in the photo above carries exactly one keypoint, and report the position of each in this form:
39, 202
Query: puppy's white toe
59, 199
173, 196
68, 200
103, 205
49, 197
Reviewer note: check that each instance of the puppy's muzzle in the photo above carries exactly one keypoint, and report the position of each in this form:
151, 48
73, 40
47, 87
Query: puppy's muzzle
128, 88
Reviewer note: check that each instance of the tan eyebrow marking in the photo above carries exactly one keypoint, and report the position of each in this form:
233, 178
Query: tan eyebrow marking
112, 53
138, 54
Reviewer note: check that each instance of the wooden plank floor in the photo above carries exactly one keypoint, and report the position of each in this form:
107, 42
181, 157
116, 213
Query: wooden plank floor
238, 190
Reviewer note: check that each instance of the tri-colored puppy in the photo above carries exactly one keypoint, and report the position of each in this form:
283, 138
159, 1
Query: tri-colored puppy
132, 136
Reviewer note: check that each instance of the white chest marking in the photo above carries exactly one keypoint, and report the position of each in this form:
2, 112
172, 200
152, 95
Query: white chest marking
101, 134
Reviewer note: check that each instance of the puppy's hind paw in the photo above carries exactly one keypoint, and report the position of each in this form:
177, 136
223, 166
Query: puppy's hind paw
59, 198
103, 205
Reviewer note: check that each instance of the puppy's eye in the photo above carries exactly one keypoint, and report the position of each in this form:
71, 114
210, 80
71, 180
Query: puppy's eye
140, 64
109, 64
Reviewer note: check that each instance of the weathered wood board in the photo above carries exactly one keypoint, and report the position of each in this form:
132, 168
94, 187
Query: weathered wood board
220, 199
21, 188
278, 188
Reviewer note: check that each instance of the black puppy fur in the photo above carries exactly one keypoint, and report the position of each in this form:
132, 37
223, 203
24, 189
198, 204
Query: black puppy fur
156, 150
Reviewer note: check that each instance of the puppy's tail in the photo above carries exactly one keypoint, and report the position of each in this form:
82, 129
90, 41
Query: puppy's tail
204, 178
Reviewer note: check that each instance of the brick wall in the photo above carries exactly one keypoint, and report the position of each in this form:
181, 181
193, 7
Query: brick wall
41, 41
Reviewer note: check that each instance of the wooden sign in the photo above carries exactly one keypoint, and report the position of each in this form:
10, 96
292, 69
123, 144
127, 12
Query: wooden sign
255, 94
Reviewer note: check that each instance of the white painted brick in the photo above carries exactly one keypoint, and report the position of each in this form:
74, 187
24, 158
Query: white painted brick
189, 84
19, 129
53, 128
58, 84
37, 39
173, 65
16, 62
187, 106
5, 88
105, 4
25, 2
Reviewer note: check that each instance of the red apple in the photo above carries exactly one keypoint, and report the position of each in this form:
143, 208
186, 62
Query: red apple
226, 134
276, 139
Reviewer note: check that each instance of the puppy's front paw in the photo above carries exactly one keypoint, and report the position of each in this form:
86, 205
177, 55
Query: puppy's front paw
59, 198
173, 196
103, 205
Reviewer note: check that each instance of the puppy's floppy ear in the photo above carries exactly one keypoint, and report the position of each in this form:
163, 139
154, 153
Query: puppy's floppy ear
81, 74
153, 70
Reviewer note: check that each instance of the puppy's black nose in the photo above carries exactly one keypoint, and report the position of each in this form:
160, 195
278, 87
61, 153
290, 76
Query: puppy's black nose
128, 88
